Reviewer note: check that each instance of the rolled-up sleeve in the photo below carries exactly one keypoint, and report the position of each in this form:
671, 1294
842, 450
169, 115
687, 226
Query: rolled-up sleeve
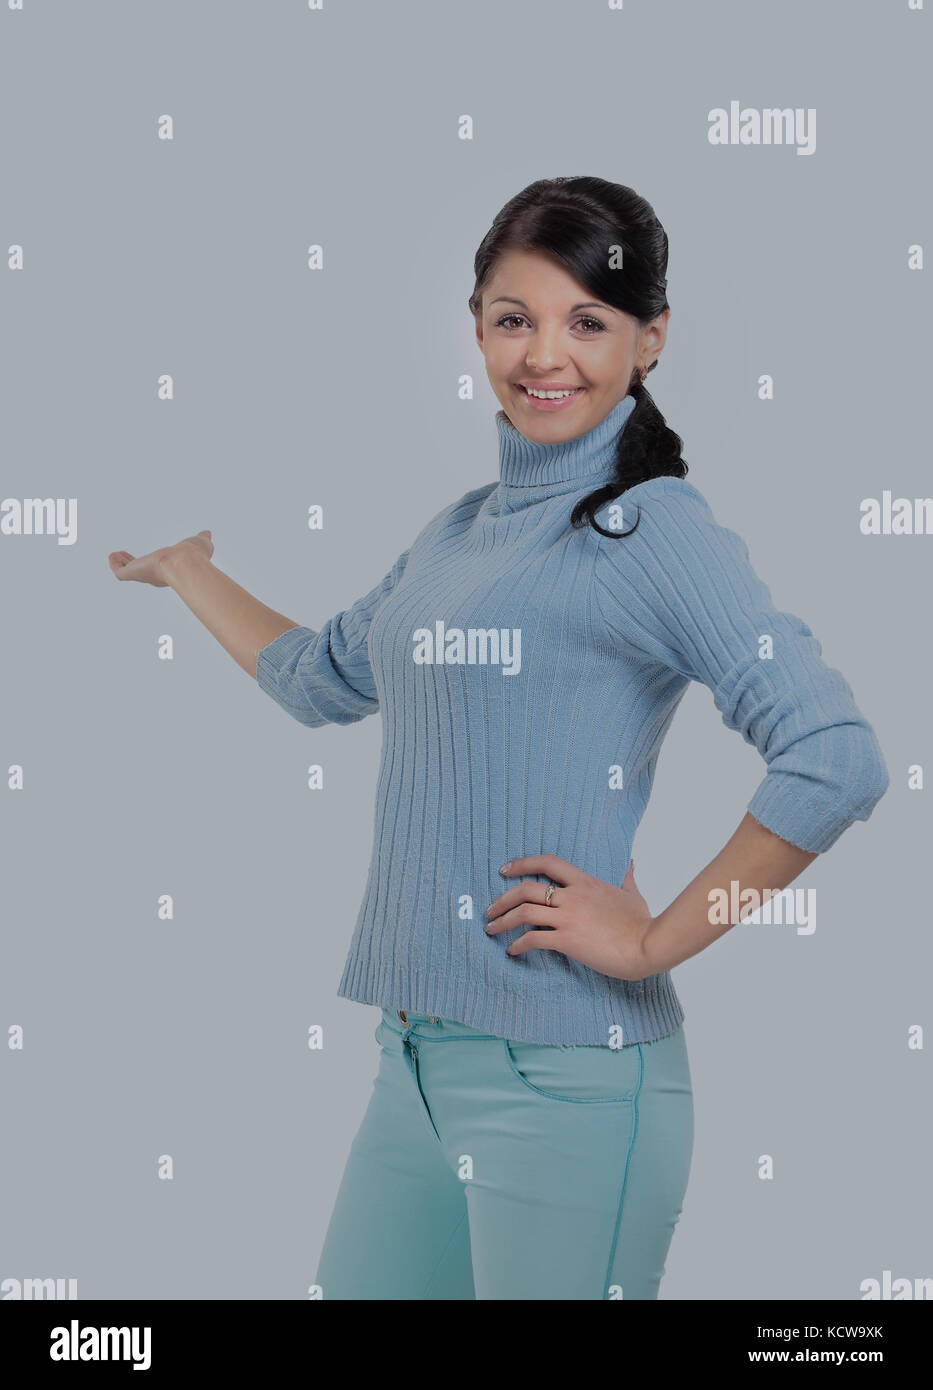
681, 590
324, 676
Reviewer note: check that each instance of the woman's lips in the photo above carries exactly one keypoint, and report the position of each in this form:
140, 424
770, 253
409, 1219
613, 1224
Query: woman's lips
561, 403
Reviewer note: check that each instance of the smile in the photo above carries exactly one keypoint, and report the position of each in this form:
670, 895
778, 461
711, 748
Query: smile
552, 400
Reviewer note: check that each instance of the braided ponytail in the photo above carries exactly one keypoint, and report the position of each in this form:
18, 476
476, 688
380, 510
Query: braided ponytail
647, 448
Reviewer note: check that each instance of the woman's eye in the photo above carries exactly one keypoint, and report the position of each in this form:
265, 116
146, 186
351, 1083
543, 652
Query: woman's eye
588, 332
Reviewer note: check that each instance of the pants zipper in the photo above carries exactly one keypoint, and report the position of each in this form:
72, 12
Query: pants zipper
427, 1109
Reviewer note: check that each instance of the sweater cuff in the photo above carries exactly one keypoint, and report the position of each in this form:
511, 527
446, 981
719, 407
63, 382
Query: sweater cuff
813, 818
273, 656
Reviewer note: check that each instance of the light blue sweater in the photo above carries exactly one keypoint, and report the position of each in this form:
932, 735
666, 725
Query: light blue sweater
527, 673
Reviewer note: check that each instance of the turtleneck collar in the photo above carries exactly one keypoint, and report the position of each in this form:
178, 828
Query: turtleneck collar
522, 463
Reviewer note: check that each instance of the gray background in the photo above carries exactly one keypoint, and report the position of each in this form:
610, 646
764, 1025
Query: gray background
339, 387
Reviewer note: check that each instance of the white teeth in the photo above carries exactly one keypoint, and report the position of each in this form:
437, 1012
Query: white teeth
550, 395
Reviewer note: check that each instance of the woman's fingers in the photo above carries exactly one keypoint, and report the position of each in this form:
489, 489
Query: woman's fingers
144, 568
147, 568
526, 914
122, 565
526, 892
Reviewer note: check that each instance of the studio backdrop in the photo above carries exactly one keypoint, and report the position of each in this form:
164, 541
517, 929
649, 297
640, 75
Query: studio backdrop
238, 245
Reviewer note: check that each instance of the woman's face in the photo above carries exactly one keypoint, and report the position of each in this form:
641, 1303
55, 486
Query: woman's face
540, 325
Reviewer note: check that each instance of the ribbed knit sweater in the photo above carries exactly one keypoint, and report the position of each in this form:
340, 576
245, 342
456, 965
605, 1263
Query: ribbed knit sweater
527, 673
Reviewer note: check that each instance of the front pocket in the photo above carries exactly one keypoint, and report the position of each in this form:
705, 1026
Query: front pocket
586, 1074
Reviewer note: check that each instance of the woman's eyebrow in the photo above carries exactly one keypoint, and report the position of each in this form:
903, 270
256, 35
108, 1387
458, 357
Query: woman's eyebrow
591, 304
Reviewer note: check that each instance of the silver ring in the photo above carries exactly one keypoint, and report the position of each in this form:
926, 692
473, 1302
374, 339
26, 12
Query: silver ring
547, 896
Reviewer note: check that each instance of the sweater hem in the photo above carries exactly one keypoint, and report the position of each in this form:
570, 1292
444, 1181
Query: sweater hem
653, 1011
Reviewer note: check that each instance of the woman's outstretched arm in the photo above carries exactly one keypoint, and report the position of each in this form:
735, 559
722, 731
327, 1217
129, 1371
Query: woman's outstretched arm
242, 624
318, 677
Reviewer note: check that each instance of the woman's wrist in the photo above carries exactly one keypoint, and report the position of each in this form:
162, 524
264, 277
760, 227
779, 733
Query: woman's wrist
178, 559
658, 952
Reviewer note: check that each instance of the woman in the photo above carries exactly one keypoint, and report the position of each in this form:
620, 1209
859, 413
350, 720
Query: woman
530, 1130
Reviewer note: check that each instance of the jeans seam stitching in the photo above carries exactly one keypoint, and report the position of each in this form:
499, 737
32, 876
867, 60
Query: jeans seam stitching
625, 1172
440, 1258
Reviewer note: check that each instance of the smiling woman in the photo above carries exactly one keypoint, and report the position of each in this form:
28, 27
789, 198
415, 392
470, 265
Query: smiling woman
530, 1130
538, 334
579, 363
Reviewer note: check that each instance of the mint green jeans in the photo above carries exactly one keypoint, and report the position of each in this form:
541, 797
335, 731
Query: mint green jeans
491, 1169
